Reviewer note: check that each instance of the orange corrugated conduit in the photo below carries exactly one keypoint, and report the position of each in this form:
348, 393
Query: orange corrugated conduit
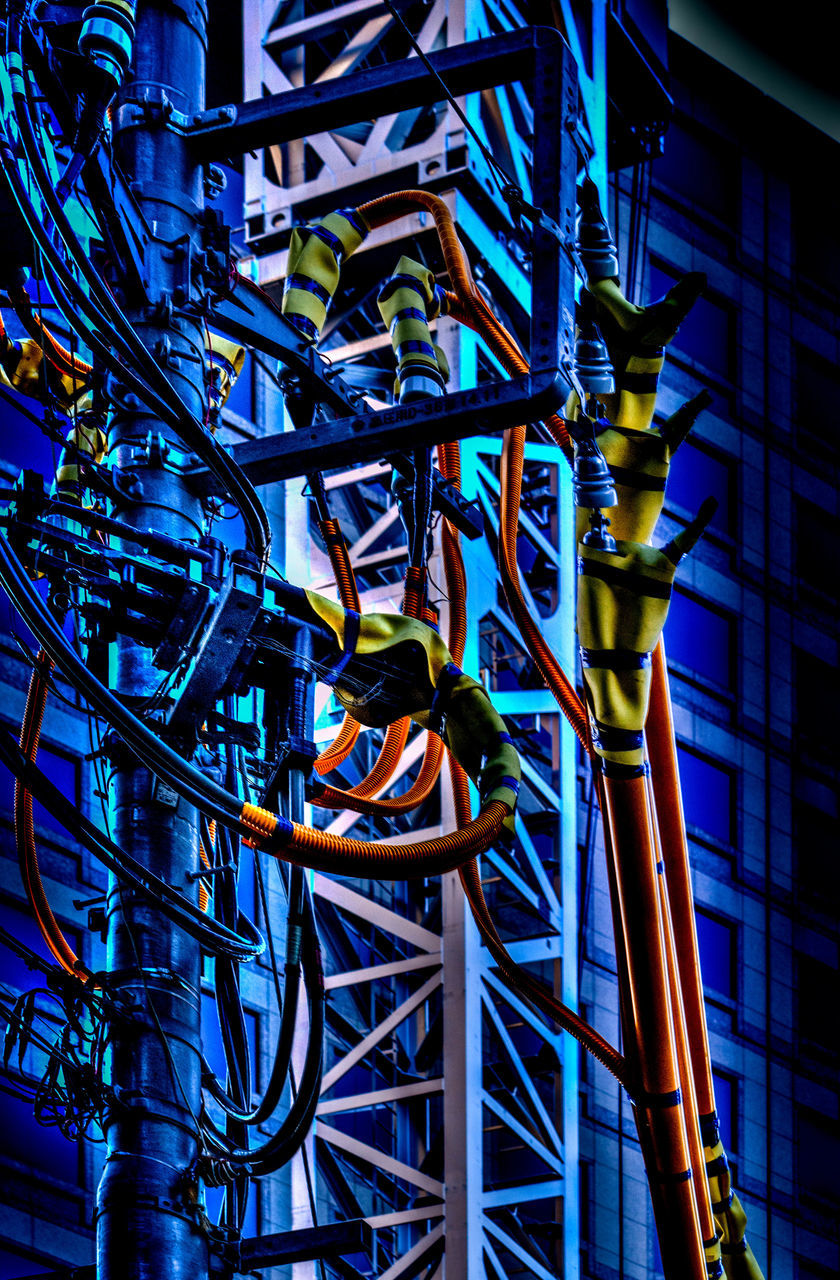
203, 891
322, 851
33, 718
359, 800
418, 792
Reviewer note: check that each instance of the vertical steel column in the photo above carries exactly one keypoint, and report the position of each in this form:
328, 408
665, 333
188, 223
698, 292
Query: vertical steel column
147, 1224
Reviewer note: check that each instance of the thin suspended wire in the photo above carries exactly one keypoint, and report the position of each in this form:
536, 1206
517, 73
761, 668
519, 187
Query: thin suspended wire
496, 169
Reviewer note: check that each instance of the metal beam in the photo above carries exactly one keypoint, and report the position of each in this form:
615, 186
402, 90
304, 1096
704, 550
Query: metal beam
379, 1033
335, 1240
363, 1151
357, 976
334, 104
399, 1093
372, 436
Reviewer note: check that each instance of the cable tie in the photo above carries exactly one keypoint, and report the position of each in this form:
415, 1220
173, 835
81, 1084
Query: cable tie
280, 837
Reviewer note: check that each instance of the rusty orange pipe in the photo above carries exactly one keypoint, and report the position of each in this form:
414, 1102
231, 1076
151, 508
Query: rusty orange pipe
33, 718
649, 1036
662, 752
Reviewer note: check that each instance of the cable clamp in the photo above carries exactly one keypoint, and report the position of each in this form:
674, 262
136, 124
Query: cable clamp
519, 208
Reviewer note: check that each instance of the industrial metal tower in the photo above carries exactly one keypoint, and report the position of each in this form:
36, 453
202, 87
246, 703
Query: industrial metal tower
447, 1119
448, 1111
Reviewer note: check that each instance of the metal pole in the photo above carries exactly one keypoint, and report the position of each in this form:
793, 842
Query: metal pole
148, 1224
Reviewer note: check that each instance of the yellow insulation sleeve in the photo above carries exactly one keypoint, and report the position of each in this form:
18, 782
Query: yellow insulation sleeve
87, 438
225, 360
739, 1262
472, 728
640, 462
315, 256
477, 738
622, 604
24, 368
636, 338
655, 325
406, 303
78, 370
379, 632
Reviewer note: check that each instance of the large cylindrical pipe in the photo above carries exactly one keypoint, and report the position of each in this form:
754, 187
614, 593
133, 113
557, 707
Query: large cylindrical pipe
148, 1220
648, 1027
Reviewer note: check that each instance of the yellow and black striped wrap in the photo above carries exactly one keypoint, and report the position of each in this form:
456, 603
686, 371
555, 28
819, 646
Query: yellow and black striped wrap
472, 728
407, 302
739, 1262
639, 462
316, 252
24, 368
85, 437
636, 338
622, 604
225, 360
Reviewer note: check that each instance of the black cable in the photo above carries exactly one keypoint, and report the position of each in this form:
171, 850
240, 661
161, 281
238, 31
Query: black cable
283, 1144
11, 400
213, 936
200, 790
492, 162
106, 313
298, 920
285, 1035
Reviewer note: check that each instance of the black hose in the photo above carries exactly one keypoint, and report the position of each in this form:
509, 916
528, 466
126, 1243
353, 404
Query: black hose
283, 1144
297, 922
189, 781
213, 936
163, 399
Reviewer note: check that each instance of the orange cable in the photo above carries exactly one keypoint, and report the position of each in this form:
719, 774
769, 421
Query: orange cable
30, 733
322, 851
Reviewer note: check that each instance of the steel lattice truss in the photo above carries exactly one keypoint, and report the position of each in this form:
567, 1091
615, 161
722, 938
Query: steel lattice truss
449, 1110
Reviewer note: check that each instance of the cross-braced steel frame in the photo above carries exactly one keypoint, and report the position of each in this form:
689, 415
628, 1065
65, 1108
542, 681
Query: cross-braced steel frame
448, 1115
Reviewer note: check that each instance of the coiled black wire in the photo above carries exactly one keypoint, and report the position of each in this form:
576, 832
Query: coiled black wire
189, 781
283, 1144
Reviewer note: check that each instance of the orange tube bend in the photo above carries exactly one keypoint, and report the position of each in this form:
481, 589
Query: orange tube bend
322, 851
33, 718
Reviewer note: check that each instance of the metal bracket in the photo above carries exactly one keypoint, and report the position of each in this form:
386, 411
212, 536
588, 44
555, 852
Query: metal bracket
464, 514
537, 54
151, 106
335, 1240
237, 605
372, 436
